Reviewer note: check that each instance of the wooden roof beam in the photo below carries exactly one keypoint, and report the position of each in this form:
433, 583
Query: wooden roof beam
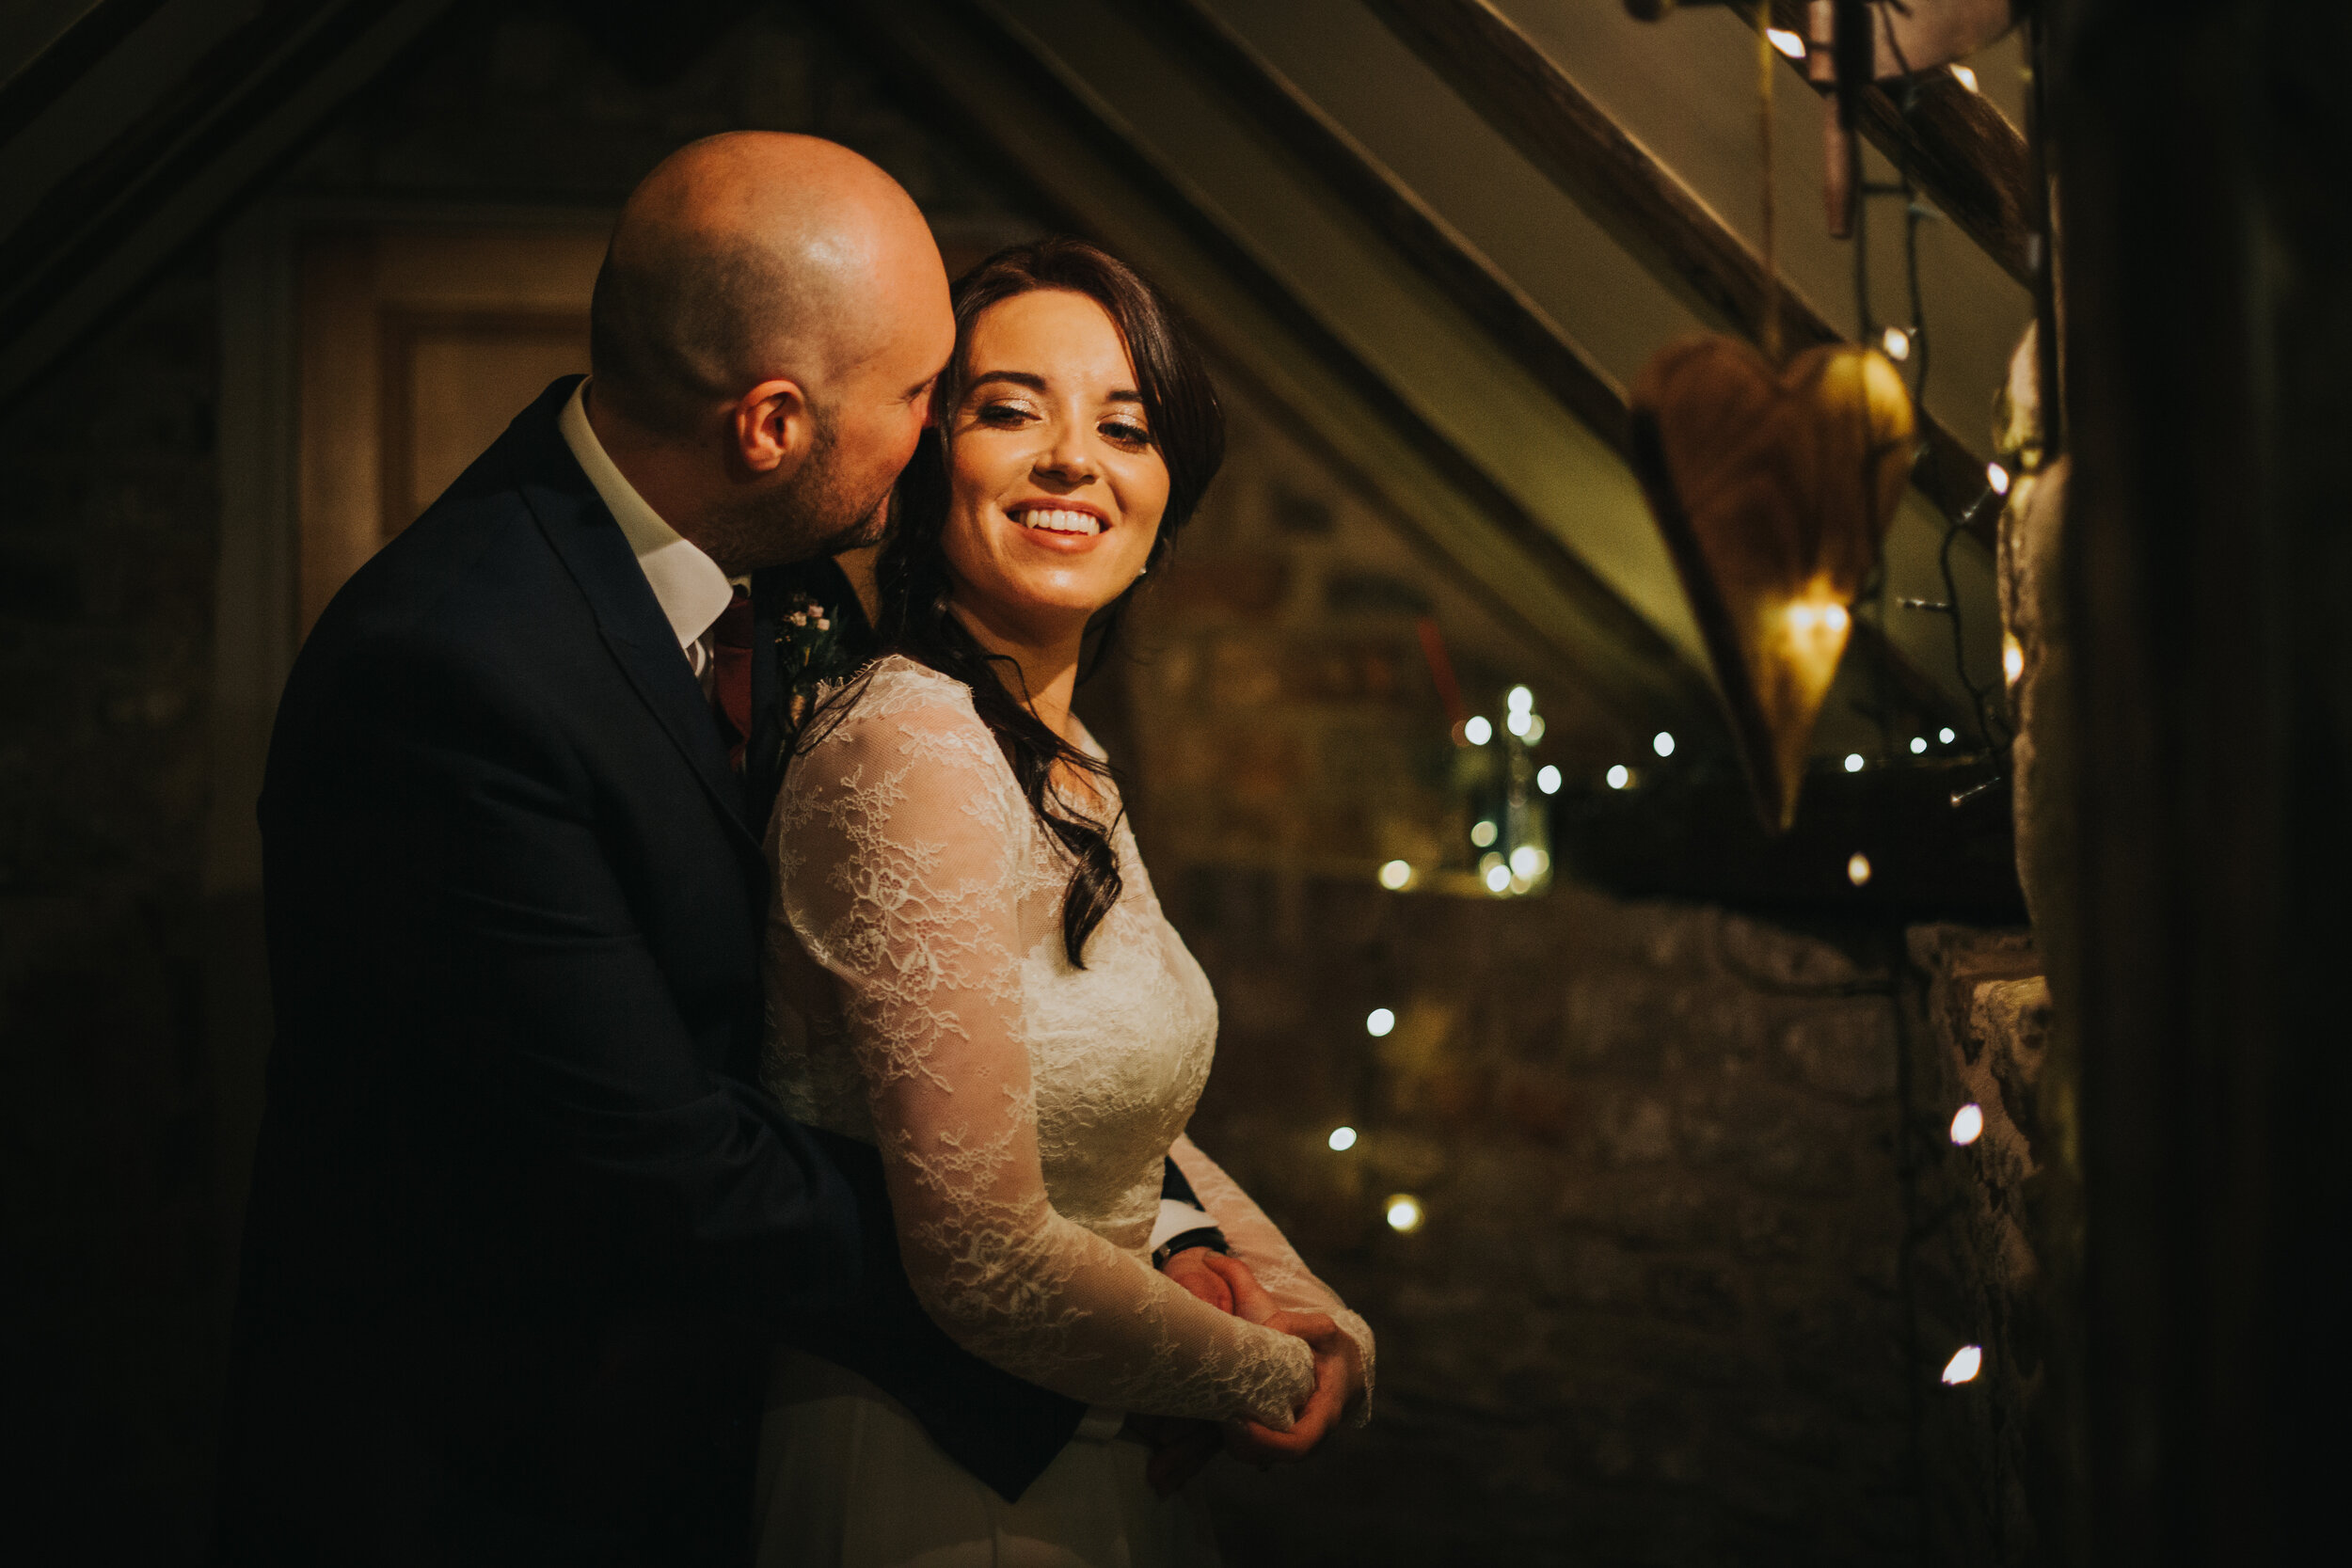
1533, 105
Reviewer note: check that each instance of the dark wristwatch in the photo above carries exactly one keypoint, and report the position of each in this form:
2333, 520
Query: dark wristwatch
1207, 1236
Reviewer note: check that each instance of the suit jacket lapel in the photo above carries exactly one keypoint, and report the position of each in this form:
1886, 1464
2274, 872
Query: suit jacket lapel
582, 532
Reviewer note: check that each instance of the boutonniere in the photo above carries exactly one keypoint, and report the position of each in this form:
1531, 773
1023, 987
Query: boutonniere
809, 655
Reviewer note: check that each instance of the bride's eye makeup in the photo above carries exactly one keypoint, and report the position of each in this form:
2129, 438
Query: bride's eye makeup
1125, 431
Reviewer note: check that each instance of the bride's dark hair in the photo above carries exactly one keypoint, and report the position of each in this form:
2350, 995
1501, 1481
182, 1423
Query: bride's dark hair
1188, 428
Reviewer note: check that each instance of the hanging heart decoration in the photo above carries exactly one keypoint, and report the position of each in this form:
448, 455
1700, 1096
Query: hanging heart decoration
1774, 490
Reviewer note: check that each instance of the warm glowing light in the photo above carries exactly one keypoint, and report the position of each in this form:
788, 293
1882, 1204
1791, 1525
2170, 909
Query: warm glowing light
1396, 873
1918, 744
1785, 41
1620, 776
1996, 477
1534, 730
1405, 1215
1853, 762
1947, 734
1964, 76
1342, 1139
1497, 878
1477, 731
1858, 868
1482, 833
1547, 779
1835, 617
1379, 1022
1518, 721
1968, 1124
1529, 863
1520, 700
1662, 743
1896, 343
1963, 1367
2012, 657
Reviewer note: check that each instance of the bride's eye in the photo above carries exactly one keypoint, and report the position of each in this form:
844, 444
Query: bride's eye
1000, 413
1126, 433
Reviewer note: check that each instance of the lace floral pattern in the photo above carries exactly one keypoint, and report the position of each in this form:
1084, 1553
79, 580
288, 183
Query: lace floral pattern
920, 999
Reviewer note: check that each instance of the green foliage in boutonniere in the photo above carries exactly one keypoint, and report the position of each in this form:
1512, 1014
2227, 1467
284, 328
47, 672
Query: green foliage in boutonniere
813, 650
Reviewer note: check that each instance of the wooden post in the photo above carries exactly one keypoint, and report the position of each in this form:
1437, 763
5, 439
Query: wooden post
2208, 324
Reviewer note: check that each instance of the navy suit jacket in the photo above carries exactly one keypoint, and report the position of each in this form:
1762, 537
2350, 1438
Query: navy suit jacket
524, 1226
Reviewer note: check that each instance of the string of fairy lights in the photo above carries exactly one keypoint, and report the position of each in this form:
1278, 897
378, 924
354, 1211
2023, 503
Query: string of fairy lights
1509, 829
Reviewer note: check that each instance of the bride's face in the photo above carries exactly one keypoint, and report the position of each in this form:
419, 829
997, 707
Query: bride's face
1057, 490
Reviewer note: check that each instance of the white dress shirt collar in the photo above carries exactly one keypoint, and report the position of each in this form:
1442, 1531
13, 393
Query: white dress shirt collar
688, 584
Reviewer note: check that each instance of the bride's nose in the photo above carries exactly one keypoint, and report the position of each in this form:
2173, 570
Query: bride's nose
1066, 459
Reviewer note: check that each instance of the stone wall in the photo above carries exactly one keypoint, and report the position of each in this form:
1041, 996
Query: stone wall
1987, 1011
1654, 1315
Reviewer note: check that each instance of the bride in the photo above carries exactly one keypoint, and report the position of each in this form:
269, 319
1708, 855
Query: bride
968, 969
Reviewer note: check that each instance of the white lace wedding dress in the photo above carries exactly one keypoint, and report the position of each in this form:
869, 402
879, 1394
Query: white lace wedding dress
920, 999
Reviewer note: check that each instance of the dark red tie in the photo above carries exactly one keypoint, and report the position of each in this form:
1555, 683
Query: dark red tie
731, 672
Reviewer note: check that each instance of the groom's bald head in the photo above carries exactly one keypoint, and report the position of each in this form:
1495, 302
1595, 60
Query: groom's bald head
751, 257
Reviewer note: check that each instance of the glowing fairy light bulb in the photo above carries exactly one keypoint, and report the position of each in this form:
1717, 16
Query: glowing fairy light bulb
1835, 617
1497, 878
1518, 721
1964, 76
1477, 732
1662, 743
1620, 776
1342, 1139
1482, 833
1379, 1022
1520, 700
2012, 657
1547, 779
1918, 745
1404, 1214
1853, 762
1947, 734
1997, 477
1785, 41
1968, 1124
1396, 873
1529, 863
1859, 869
1966, 1364
1896, 343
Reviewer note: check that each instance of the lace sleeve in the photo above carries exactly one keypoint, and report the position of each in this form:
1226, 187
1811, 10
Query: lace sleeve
903, 853
1258, 1241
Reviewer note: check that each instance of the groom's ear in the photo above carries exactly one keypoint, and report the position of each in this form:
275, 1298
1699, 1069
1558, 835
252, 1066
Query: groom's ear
775, 428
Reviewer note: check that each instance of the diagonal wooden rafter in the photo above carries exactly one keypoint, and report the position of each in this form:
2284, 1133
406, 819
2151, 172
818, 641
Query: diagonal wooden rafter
1474, 280
109, 218
1533, 105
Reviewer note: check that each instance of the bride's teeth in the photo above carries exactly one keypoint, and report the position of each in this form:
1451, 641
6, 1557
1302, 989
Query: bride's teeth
1062, 522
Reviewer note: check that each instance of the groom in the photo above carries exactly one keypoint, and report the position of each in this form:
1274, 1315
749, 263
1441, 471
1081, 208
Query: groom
523, 1227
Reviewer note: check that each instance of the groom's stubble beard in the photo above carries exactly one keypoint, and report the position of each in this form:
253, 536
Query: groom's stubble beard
811, 514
